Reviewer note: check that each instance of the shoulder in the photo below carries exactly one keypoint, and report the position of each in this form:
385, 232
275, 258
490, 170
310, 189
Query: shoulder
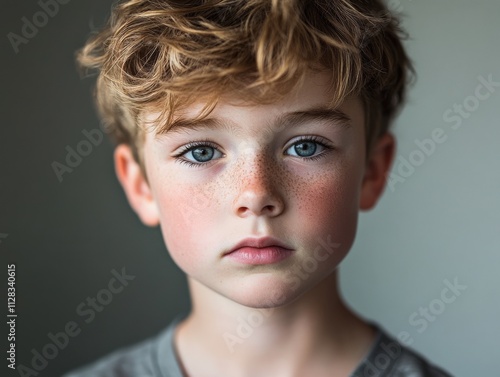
140, 359
412, 364
389, 358
135, 360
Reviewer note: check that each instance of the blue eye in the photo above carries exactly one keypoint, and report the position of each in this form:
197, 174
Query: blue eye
203, 151
199, 149
307, 146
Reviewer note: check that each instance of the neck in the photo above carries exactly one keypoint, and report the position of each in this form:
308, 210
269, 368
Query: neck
312, 332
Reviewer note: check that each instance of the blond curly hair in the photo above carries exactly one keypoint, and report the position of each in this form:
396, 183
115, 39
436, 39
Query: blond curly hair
159, 55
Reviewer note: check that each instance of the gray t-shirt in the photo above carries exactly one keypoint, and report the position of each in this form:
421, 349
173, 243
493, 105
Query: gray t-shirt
156, 357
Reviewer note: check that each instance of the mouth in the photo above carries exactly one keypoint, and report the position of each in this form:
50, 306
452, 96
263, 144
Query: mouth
257, 251
256, 256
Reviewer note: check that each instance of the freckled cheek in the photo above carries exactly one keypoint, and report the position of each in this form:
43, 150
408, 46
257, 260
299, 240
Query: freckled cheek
329, 208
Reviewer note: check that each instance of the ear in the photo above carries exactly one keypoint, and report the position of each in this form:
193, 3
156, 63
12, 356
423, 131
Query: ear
135, 186
376, 171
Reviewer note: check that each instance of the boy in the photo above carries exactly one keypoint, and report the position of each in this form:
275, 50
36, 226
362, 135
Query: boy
214, 105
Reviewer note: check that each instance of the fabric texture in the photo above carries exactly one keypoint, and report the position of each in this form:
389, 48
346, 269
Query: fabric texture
156, 357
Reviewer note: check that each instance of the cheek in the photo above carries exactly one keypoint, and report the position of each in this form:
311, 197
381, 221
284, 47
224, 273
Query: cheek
327, 207
185, 223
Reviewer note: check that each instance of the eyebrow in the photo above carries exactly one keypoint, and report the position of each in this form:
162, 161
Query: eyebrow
290, 119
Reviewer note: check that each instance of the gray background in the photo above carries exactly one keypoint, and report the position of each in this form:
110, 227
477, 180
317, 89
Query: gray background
442, 222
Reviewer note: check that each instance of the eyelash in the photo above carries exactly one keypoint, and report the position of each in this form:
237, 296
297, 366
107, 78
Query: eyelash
207, 143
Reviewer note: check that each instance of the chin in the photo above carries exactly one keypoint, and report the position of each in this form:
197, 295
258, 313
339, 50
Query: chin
266, 291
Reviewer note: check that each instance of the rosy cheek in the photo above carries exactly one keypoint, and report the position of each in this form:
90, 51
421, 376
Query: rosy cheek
328, 207
175, 218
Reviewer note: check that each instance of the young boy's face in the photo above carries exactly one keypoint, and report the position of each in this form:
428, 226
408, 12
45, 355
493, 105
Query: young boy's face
257, 178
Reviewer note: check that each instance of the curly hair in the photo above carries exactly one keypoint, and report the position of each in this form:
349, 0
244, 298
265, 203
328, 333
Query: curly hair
159, 55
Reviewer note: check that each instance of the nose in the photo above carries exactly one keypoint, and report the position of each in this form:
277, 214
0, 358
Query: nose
259, 189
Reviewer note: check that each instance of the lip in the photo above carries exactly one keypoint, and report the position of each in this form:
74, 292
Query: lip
255, 251
256, 256
259, 243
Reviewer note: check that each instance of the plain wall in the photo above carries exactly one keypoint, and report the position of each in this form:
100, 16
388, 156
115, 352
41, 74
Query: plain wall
438, 221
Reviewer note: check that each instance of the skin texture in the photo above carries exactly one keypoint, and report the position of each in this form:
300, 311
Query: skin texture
255, 185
